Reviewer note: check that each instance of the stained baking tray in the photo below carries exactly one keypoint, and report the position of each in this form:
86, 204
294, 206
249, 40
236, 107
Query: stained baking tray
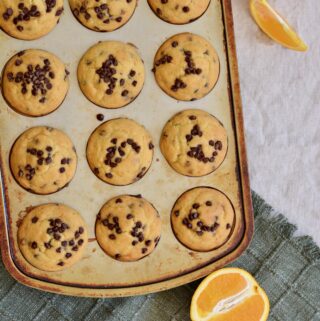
171, 264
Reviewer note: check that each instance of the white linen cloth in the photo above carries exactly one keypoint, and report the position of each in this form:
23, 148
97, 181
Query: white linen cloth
281, 105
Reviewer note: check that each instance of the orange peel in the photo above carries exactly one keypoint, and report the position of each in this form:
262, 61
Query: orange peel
229, 294
275, 26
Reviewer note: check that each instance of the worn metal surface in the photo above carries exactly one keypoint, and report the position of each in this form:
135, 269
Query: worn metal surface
171, 264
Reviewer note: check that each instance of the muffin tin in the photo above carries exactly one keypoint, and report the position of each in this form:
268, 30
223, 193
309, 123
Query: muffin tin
171, 264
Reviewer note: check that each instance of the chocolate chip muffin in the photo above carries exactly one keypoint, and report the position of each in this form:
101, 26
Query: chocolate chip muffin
29, 19
103, 15
128, 228
194, 142
186, 67
43, 160
111, 74
120, 151
35, 82
52, 237
203, 219
177, 11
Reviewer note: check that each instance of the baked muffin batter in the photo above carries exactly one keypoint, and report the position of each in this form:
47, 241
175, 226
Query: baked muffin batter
43, 160
103, 15
35, 82
120, 151
128, 228
52, 237
177, 11
29, 19
111, 74
203, 219
194, 142
186, 67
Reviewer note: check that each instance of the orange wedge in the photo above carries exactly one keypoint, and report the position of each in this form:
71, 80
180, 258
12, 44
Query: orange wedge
229, 294
275, 26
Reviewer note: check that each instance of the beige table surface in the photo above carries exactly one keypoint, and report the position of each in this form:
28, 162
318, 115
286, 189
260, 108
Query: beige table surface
281, 99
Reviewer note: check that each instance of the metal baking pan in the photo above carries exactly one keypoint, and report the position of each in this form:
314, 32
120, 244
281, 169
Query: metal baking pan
171, 264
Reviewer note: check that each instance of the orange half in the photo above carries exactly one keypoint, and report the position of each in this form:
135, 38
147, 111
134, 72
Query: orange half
275, 26
229, 294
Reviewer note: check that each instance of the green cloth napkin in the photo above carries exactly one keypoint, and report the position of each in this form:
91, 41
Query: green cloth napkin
287, 267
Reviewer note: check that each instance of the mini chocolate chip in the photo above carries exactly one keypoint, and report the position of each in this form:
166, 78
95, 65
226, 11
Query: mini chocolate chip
118, 200
129, 216
218, 145
118, 230
65, 226
68, 255
47, 245
110, 226
96, 171
58, 250
64, 243
34, 219
112, 237
174, 44
56, 236
117, 256
132, 73
208, 203
48, 160
125, 93
100, 117
34, 245
80, 242
144, 250
148, 242
18, 62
